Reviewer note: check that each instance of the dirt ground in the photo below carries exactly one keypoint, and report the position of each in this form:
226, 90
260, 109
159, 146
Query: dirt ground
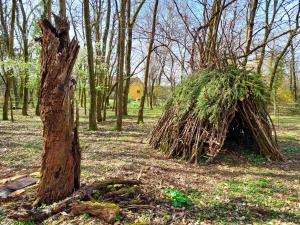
240, 188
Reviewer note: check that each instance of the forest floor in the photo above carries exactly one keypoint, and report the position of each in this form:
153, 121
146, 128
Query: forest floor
240, 188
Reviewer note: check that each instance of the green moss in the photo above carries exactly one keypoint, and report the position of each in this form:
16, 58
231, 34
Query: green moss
135, 201
140, 223
102, 204
96, 195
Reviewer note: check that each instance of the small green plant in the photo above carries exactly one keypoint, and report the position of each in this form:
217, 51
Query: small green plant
178, 198
86, 216
118, 217
25, 223
291, 149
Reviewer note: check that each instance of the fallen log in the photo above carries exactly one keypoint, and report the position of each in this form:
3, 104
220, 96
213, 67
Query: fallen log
105, 211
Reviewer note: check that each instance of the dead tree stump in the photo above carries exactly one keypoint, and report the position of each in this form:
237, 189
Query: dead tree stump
61, 159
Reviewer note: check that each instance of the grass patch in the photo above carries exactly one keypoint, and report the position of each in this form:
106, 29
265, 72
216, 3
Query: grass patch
291, 149
260, 200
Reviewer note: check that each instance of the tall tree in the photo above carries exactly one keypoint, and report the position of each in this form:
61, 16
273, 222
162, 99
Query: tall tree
89, 44
104, 66
293, 76
24, 33
10, 49
268, 28
121, 55
61, 159
250, 26
146, 78
130, 25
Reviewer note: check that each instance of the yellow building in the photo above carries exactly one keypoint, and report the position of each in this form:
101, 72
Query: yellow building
136, 89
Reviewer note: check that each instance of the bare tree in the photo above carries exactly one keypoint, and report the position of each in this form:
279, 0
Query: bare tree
121, 55
9, 34
151, 42
130, 24
92, 111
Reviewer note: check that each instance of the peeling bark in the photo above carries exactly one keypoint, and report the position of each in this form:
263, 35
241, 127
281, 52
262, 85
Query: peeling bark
61, 159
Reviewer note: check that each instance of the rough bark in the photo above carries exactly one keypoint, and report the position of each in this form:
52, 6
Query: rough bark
105, 211
61, 159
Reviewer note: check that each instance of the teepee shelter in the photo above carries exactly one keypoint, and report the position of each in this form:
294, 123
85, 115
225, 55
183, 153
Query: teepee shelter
213, 106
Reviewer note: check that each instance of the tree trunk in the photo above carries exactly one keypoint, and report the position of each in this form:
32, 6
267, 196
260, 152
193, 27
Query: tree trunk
26, 56
128, 60
6, 97
47, 9
38, 103
250, 25
130, 24
62, 8
121, 47
293, 78
10, 47
15, 90
88, 33
61, 159
98, 72
143, 98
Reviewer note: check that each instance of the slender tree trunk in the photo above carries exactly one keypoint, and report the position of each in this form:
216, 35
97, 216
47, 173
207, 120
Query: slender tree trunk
107, 62
88, 33
143, 98
6, 96
10, 47
26, 56
127, 60
293, 78
38, 103
152, 93
61, 159
130, 24
62, 8
250, 26
47, 9
21, 89
121, 48
15, 90
98, 72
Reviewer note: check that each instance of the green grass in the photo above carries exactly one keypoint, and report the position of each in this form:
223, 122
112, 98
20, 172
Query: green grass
258, 200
